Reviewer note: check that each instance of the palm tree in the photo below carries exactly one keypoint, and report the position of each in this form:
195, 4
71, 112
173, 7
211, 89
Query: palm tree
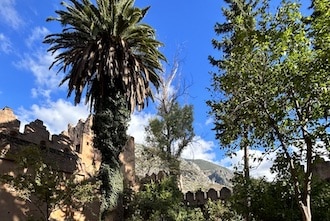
109, 56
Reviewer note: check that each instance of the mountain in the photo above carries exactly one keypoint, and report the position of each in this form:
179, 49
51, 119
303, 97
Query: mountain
195, 174
216, 173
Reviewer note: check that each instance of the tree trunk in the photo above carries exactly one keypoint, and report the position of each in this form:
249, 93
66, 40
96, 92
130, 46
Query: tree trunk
303, 198
109, 126
305, 205
306, 212
246, 174
247, 181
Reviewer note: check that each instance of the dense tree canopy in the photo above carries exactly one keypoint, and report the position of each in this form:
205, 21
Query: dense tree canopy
273, 84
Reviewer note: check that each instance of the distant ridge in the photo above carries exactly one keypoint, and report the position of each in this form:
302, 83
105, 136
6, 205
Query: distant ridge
206, 165
195, 174
215, 172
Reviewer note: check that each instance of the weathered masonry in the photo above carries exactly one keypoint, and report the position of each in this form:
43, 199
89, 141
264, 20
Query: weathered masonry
72, 150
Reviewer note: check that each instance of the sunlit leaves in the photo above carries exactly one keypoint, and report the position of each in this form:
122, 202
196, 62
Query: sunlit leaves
273, 80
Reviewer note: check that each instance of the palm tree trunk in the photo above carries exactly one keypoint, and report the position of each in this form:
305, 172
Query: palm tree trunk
109, 126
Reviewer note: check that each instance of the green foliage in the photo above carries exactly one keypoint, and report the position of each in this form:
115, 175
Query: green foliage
273, 84
159, 199
321, 200
320, 20
43, 184
104, 46
269, 200
172, 130
111, 188
276, 200
220, 211
109, 125
162, 201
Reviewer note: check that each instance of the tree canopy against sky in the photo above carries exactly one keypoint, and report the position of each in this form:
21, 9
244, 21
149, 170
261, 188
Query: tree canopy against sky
171, 131
111, 56
273, 79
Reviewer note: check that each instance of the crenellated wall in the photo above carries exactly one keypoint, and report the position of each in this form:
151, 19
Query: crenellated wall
35, 132
72, 151
200, 197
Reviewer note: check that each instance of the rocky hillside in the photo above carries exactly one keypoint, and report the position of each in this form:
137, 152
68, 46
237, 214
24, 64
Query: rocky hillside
196, 174
216, 173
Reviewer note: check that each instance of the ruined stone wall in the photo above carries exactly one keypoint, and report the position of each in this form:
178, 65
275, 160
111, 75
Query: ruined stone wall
198, 198
81, 137
72, 151
8, 121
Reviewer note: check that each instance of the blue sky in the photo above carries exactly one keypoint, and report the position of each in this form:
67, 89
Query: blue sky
31, 89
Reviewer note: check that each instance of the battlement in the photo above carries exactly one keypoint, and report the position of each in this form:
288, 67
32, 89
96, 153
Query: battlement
58, 148
200, 197
35, 132
8, 121
74, 145
193, 199
71, 152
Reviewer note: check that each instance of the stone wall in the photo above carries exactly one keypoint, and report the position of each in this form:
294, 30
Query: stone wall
8, 121
57, 147
72, 151
200, 197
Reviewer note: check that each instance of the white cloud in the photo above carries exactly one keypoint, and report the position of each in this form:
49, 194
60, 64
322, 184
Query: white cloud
45, 80
258, 168
262, 168
200, 149
5, 44
37, 35
39, 91
323, 152
9, 15
55, 115
139, 120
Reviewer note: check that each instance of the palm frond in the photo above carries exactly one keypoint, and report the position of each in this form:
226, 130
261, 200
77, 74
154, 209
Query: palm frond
105, 47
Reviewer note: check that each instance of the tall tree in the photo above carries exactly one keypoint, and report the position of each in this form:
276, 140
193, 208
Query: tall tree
276, 90
111, 56
239, 60
171, 131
